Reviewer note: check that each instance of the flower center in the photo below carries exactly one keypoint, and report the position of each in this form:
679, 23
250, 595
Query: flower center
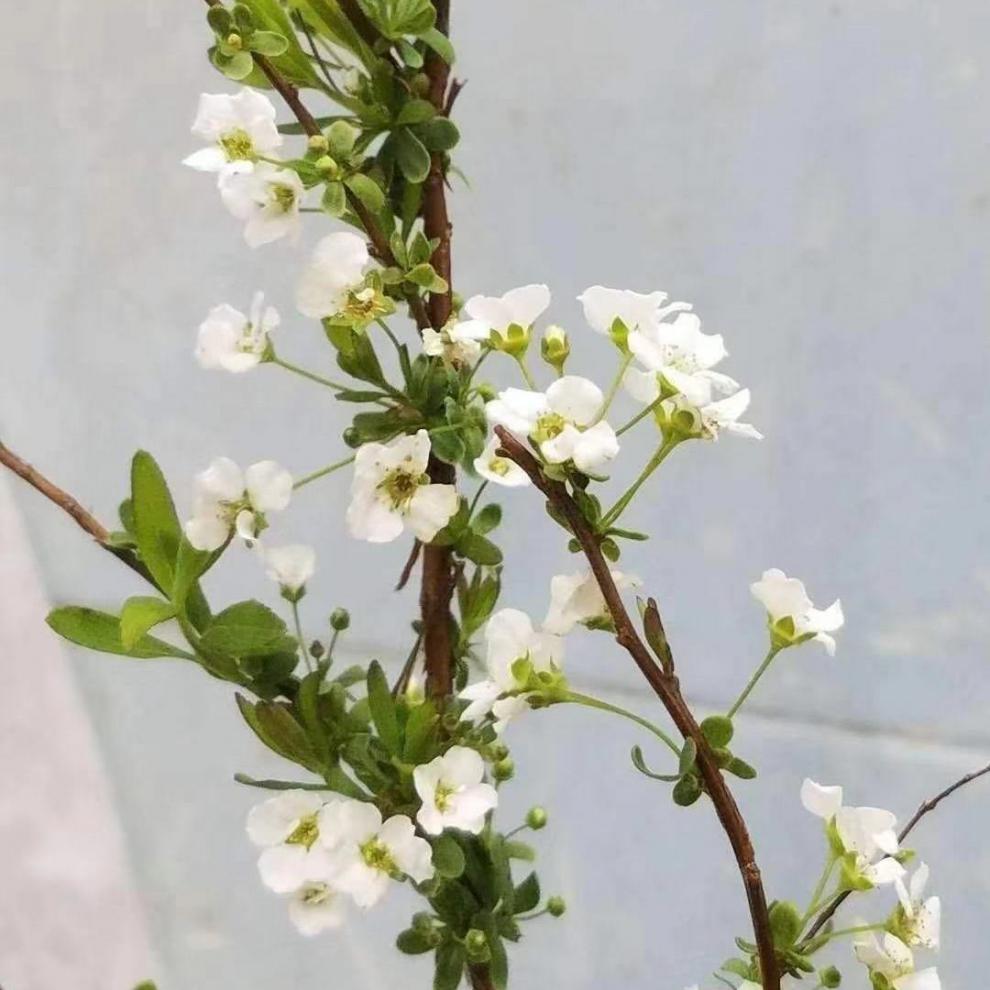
376, 854
281, 196
400, 485
548, 426
364, 304
305, 833
237, 145
315, 893
443, 795
500, 466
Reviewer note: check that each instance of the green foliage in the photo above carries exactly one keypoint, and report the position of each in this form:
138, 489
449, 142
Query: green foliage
100, 631
246, 629
139, 615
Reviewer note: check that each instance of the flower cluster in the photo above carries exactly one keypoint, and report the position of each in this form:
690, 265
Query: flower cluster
317, 847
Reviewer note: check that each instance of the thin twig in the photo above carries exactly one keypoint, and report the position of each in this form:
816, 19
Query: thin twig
667, 688
405, 675
923, 809
409, 565
68, 504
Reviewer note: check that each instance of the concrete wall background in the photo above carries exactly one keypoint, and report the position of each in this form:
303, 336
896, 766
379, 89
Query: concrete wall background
813, 177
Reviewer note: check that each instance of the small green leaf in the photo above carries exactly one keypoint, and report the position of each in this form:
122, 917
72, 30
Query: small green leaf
440, 43
99, 631
689, 753
449, 965
448, 857
686, 791
487, 519
718, 730
140, 614
383, 708
420, 733
527, 895
220, 20
412, 157
334, 201
636, 755
412, 942
522, 851
416, 112
269, 43
245, 629
238, 67
366, 190
410, 55
785, 923
438, 134
479, 549
741, 769
156, 525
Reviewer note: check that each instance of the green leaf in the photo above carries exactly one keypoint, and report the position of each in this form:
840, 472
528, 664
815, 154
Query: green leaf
448, 857
416, 112
190, 565
100, 631
412, 158
382, 706
447, 446
686, 791
785, 923
440, 43
140, 614
327, 19
366, 190
449, 966
238, 67
520, 850
245, 629
426, 277
420, 733
689, 753
438, 134
270, 17
334, 201
487, 519
527, 895
279, 731
479, 549
269, 43
410, 55
156, 525
636, 755
412, 942
741, 769
220, 20
718, 730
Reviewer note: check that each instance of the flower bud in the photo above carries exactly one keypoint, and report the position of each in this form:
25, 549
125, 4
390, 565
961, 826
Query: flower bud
555, 348
326, 164
504, 769
536, 818
497, 751
316, 649
829, 978
340, 619
556, 906
317, 143
485, 392
476, 945
352, 437
513, 340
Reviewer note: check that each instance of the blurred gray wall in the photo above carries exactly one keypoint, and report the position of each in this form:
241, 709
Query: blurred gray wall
815, 177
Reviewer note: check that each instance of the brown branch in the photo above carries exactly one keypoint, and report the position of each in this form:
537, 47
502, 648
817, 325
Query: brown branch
83, 518
437, 589
667, 688
923, 809
481, 977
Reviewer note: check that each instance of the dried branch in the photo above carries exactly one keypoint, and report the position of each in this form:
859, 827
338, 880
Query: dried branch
84, 519
667, 688
923, 809
410, 563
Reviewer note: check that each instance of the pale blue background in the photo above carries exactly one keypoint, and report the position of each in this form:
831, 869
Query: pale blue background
815, 177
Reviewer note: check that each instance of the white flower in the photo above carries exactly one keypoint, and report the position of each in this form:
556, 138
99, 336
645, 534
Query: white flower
920, 919
287, 827
291, 566
563, 421
227, 498
635, 310
576, 598
267, 199
238, 128
315, 906
499, 470
864, 832
785, 598
893, 960
391, 490
232, 341
453, 792
518, 307
336, 269
679, 355
458, 343
707, 419
509, 636
368, 854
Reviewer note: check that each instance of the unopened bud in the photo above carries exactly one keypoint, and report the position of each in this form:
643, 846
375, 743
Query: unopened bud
340, 619
556, 906
328, 165
555, 348
829, 978
317, 143
351, 437
476, 945
498, 751
504, 769
536, 818
485, 392
316, 649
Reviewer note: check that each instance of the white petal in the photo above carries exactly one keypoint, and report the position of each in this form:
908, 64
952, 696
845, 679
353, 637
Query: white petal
517, 410
283, 868
222, 480
462, 766
312, 916
595, 447
274, 820
369, 518
821, 800
206, 532
291, 566
923, 979
575, 398
430, 509
269, 486
206, 160
499, 470
348, 821
643, 386
780, 595
527, 303
481, 695
602, 306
